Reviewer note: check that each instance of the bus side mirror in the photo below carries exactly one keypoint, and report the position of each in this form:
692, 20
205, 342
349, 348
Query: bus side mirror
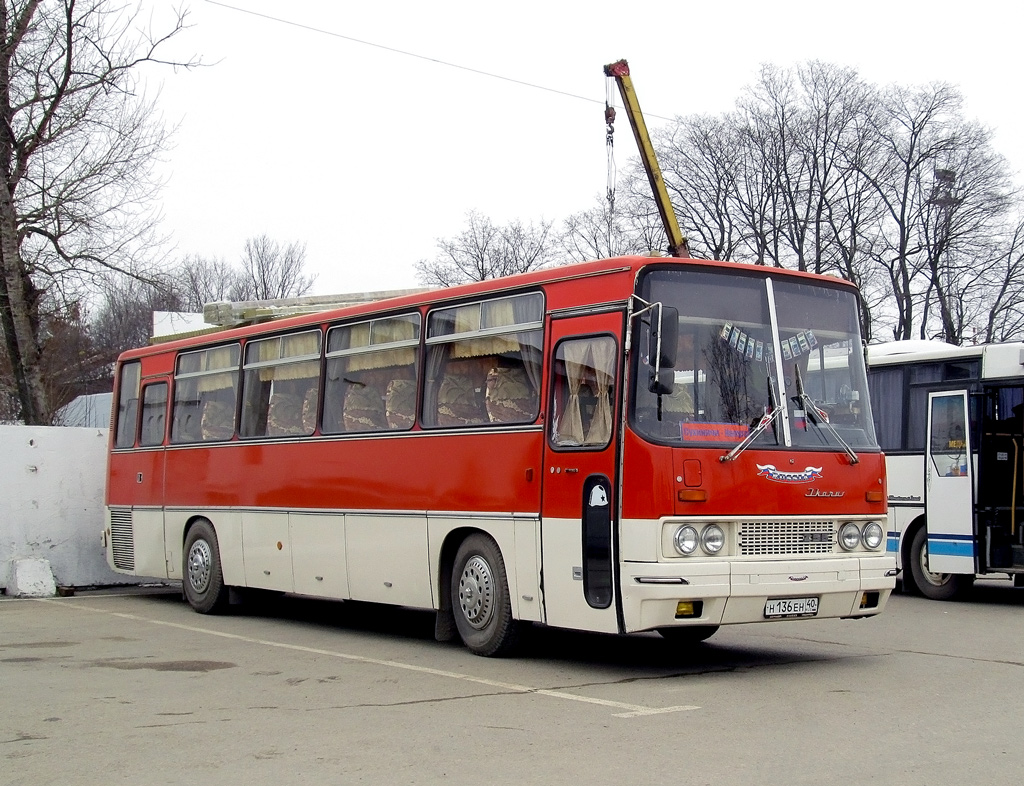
667, 328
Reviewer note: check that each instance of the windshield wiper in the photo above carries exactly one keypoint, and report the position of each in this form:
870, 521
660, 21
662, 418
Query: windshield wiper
819, 416
766, 420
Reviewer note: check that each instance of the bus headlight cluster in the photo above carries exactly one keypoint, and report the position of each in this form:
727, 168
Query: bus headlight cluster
870, 535
686, 539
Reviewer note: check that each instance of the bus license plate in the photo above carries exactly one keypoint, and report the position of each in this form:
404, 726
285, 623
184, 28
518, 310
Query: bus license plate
790, 607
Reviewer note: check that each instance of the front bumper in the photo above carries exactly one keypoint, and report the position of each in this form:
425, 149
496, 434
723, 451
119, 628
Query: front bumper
737, 591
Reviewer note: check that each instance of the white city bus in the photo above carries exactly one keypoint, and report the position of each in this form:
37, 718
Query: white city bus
950, 422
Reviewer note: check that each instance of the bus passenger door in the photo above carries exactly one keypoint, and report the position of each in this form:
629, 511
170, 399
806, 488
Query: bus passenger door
949, 484
580, 504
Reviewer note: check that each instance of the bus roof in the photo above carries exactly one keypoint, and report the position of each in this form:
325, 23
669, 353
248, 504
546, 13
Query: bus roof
627, 266
998, 360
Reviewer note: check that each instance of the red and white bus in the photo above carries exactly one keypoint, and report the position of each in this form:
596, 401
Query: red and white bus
624, 445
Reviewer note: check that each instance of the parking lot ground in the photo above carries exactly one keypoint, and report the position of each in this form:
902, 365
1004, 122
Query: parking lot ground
133, 687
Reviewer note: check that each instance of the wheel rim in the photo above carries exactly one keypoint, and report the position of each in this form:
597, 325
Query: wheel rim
476, 592
200, 560
935, 579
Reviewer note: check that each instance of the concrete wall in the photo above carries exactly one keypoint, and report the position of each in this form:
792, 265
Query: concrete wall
51, 503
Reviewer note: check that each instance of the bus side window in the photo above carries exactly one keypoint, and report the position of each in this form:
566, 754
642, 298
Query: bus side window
205, 392
154, 413
483, 362
584, 376
128, 405
371, 375
280, 385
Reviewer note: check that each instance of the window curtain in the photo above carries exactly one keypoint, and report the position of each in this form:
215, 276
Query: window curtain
524, 312
603, 356
887, 385
570, 427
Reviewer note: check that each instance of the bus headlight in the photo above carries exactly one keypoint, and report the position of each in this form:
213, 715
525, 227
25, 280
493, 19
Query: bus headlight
849, 536
712, 539
685, 540
873, 536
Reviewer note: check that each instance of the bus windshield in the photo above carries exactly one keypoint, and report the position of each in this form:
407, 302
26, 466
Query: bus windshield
752, 348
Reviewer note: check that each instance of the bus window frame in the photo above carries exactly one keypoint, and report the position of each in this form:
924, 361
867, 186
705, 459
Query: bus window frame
433, 381
125, 408
257, 366
146, 388
614, 393
179, 377
327, 397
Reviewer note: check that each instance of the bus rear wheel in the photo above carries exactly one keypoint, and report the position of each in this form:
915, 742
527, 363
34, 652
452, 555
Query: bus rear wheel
202, 577
937, 586
480, 598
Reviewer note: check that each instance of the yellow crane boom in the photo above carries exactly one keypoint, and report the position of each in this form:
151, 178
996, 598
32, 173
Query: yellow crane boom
619, 71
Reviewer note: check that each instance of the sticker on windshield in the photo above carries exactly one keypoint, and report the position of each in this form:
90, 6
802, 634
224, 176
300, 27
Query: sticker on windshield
713, 432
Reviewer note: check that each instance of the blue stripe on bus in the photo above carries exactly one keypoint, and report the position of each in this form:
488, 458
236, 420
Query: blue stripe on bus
892, 542
945, 546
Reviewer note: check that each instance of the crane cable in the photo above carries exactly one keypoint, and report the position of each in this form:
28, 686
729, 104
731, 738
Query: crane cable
609, 119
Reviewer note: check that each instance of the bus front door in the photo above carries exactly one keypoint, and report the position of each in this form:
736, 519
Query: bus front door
949, 485
580, 488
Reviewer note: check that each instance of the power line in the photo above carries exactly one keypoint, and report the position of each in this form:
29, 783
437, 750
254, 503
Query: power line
397, 51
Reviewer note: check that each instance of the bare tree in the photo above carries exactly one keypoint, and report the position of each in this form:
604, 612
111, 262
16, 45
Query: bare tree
891, 188
913, 132
1005, 317
484, 250
602, 232
270, 271
699, 159
124, 318
78, 140
198, 280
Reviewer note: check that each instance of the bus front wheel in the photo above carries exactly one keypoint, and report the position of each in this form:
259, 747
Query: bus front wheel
480, 598
202, 578
937, 586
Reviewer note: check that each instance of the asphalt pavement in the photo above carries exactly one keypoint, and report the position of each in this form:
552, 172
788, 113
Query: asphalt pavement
132, 687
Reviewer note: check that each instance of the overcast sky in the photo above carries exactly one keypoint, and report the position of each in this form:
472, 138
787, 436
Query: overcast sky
368, 155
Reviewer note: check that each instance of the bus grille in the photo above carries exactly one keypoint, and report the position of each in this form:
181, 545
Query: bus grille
786, 537
122, 539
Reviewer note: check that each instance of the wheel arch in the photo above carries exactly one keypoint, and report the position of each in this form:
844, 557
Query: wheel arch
226, 525
191, 521
907, 537
446, 563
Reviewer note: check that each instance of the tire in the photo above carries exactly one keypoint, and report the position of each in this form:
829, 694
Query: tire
480, 598
691, 634
202, 577
937, 586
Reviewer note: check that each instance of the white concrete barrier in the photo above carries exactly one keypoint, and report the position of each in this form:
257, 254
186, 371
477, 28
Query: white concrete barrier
31, 578
51, 508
